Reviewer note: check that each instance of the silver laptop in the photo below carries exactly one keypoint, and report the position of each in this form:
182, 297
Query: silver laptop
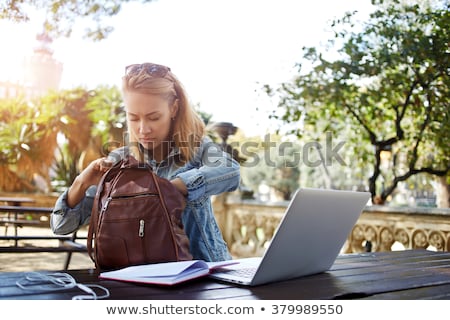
308, 239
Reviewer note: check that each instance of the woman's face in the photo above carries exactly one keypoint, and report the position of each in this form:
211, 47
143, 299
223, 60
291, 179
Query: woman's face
149, 119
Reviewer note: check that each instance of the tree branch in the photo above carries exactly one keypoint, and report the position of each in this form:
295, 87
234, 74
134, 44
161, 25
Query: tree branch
372, 135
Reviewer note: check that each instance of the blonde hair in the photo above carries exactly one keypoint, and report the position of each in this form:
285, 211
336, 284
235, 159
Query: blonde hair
187, 127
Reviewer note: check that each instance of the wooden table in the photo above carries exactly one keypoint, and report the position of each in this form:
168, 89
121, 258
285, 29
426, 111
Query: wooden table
16, 201
12, 217
413, 274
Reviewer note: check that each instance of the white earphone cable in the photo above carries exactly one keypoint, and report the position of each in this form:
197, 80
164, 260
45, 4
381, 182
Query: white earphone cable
38, 281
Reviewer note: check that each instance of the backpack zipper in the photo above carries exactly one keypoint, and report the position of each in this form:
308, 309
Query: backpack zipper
105, 205
141, 228
137, 195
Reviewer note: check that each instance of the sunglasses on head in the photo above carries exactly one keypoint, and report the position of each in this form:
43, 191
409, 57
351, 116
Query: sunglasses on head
152, 69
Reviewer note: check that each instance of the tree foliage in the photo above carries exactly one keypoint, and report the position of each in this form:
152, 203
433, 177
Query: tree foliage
94, 123
61, 130
389, 85
62, 15
27, 134
269, 161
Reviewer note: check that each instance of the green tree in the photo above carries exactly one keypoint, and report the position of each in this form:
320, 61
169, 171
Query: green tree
106, 112
27, 141
389, 85
62, 15
61, 130
269, 161
74, 129
93, 124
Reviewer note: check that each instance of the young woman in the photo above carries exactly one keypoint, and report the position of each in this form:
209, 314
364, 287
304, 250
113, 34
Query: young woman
166, 132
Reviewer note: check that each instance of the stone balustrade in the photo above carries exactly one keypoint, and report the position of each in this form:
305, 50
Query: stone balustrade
249, 225
387, 228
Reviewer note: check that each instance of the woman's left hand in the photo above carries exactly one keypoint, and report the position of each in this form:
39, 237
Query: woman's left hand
179, 184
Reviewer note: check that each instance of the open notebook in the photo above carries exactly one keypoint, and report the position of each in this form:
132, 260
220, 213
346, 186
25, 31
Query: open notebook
307, 241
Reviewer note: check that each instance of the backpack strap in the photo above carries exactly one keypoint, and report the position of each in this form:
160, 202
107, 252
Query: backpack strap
166, 211
93, 224
95, 213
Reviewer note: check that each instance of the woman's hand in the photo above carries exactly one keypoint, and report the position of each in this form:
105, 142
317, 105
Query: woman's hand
179, 184
91, 175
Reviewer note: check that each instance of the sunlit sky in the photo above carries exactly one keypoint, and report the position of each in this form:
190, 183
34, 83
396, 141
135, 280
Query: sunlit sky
222, 51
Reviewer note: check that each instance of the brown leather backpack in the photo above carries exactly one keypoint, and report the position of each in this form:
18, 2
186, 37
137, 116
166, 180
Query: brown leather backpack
136, 219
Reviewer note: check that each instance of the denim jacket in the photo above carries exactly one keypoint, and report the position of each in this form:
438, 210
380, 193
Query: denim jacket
210, 172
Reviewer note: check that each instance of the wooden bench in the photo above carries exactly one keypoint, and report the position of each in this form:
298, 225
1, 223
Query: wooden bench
14, 216
67, 244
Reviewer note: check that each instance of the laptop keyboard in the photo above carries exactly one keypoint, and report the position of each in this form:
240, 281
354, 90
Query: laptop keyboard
244, 272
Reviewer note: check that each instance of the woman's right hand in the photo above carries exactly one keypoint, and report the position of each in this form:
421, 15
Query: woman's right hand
91, 175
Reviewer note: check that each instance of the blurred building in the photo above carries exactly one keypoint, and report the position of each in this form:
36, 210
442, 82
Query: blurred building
41, 72
10, 89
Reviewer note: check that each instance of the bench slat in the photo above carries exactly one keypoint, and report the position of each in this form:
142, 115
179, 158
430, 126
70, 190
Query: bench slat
62, 238
18, 222
26, 209
41, 249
